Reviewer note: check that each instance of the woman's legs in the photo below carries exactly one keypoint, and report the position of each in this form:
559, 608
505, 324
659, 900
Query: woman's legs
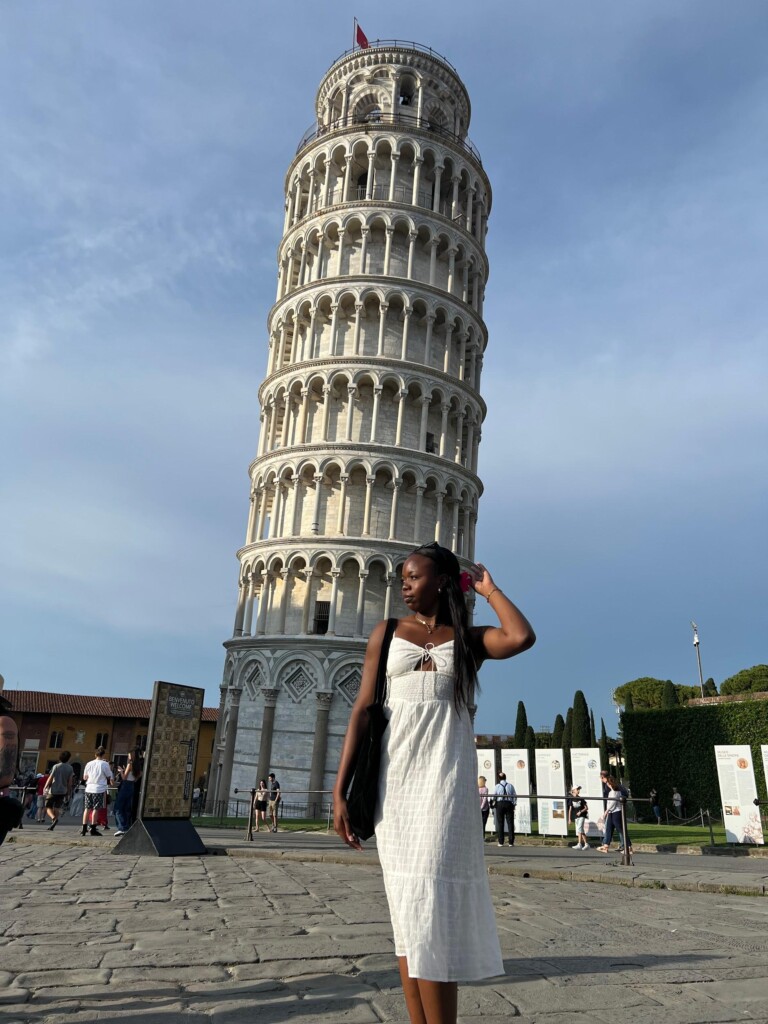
124, 805
428, 1002
411, 993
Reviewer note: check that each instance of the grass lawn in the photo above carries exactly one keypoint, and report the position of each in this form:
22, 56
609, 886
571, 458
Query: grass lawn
681, 835
286, 824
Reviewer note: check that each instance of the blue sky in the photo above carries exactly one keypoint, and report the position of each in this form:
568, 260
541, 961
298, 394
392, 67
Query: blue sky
624, 454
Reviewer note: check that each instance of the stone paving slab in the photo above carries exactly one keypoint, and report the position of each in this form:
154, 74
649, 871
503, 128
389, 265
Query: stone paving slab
246, 938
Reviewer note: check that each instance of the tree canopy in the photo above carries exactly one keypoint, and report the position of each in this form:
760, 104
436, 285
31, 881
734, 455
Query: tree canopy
749, 680
648, 692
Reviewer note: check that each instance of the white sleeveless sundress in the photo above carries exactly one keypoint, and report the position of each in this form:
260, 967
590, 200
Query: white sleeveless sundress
429, 830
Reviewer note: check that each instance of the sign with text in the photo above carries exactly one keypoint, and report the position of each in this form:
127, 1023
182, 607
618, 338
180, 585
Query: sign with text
486, 765
585, 772
550, 780
174, 728
738, 791
514, 764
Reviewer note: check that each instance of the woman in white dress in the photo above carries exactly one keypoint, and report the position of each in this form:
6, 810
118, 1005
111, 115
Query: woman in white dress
427, 822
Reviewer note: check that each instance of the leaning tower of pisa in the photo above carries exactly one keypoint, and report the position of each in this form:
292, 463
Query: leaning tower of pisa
370, 407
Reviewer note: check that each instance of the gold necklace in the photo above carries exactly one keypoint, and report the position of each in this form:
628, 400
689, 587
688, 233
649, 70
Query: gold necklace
430, 628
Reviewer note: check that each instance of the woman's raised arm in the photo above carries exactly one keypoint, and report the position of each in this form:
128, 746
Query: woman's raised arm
514, 632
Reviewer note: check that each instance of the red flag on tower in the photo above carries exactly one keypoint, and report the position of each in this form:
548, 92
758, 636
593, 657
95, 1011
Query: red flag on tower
360, 37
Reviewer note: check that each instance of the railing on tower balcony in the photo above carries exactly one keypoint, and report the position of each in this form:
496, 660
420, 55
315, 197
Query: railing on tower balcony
397, 44
379, 118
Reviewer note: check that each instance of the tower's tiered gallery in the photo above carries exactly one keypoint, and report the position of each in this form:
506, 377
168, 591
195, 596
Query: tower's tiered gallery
370, 408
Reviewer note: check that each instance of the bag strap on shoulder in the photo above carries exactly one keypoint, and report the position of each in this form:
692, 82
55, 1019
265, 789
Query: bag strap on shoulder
381, 674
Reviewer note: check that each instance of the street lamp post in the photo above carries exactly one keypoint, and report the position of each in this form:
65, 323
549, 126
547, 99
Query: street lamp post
698, 654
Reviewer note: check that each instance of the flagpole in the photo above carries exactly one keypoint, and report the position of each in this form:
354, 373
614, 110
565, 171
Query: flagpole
354, 32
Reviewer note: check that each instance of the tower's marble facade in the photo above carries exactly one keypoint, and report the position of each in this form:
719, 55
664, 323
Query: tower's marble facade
370, 408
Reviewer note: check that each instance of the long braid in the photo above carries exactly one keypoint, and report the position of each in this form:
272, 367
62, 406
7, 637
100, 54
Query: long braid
452, 609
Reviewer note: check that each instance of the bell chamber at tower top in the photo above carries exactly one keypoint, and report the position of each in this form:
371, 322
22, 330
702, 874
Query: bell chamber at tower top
391, 127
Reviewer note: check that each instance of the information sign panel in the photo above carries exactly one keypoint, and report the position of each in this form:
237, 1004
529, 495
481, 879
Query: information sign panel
550, 780
738, 792
514, 764
585, 772
174, 728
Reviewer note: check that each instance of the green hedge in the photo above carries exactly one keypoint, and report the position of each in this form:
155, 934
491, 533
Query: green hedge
675, 748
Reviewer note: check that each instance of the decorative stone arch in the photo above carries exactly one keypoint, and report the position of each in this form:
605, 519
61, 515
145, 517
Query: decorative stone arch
365, 107
385, 464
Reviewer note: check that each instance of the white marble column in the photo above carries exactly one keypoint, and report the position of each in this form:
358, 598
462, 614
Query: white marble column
343, 481
318, 478
396, 485
420, 488
377, 390
335, 574
401, 397
382, 327
286, 578
369, 482
360, 616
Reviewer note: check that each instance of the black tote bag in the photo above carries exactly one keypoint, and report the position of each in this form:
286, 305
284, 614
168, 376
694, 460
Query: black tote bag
364, 790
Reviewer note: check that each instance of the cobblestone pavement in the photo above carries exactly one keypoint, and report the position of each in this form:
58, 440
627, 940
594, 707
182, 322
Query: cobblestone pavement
86, 936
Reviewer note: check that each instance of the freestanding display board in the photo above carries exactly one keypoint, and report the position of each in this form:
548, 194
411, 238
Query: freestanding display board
738, 793
163, 827
514, 764
550, 780
585, 772
486, 765
764, 752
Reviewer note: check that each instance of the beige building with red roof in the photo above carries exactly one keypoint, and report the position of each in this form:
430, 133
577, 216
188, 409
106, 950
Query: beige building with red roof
51, 722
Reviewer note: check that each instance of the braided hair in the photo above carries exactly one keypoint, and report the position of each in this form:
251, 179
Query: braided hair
452, 610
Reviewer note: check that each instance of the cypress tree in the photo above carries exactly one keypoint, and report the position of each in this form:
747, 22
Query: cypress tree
530, 745
592, 733
521, 725
580, 725
629, 704
669, 696
567, 734
710, 688
603, 745
557, 732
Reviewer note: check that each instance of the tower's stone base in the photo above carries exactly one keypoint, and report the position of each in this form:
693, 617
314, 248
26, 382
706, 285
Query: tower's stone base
294, 704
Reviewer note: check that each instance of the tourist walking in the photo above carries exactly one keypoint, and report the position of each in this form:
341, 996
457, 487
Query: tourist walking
485, 805
504, 803
655, 805
429, 845
97, 777
260, 802
677, 802
42, 782
274, 800
578, 816
616, 797
58, 788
